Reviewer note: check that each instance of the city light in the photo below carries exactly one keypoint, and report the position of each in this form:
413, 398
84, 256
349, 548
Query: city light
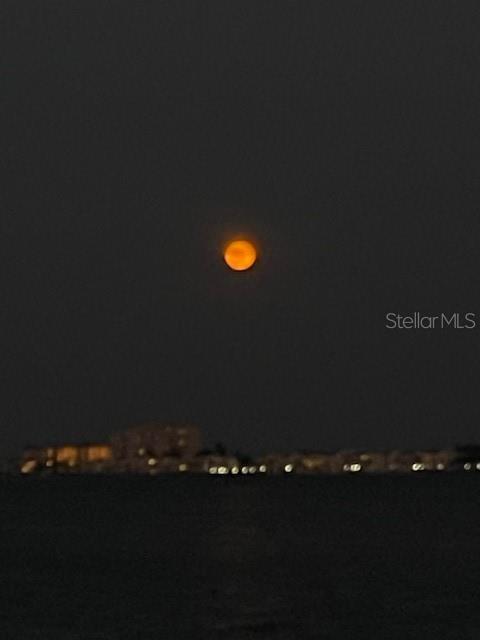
156, 447
418, 466
352, 467
28, 466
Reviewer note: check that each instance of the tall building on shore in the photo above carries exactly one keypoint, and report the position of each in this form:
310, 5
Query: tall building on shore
155, 446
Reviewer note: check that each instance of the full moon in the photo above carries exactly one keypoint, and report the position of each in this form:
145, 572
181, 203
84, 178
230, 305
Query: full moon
240, 255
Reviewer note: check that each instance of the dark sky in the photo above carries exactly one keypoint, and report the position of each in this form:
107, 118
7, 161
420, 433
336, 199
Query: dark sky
137, 137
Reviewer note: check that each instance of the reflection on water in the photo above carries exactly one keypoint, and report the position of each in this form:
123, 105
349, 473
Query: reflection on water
277, 558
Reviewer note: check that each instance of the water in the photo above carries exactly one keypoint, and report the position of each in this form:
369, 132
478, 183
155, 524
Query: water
277, 558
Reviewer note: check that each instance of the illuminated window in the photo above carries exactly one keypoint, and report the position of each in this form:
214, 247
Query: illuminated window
65, 454
98, 452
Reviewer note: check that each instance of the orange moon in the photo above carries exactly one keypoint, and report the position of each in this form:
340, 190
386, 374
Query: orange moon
240, 255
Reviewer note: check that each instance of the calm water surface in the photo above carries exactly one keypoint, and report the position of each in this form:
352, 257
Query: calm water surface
277, 558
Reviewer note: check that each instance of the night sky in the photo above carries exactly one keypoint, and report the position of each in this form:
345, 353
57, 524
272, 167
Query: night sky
136, 138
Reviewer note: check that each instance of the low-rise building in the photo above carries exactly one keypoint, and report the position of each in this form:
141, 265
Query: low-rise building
312, 462
280, 463
74, 458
